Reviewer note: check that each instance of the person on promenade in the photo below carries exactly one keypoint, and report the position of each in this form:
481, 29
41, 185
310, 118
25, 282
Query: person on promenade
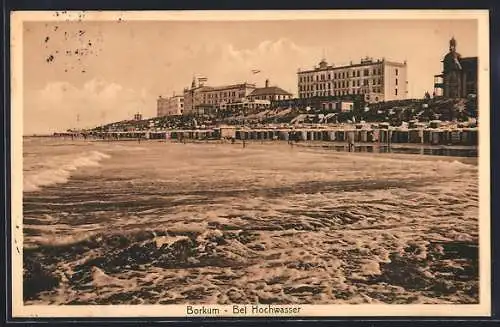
350, 141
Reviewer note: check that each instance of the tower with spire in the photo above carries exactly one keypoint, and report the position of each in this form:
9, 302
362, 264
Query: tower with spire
459, 76
453, 44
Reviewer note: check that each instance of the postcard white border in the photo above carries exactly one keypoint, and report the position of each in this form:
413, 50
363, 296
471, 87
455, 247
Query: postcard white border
17, 19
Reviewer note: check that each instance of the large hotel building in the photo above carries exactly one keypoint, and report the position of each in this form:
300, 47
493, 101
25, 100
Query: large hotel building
375, 80
203, 99
171, 106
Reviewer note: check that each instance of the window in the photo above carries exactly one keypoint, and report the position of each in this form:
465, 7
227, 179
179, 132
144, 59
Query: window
396, 72
358, 73
395, 91
366, 72
396, 81
374, 71
328, 76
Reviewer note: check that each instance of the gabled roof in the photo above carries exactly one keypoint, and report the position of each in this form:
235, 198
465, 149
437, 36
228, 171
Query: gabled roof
271, 90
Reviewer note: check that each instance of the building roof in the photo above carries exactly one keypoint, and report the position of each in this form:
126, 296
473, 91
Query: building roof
222, 87
270, 90
233, 86
364, 63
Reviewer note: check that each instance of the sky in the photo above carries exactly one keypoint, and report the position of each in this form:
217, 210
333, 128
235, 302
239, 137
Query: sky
80, 74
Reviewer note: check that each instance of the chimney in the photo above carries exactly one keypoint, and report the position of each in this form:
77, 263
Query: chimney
267, 83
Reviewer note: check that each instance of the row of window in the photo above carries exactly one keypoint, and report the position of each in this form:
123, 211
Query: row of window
263, 97
343, 84
226, 94
271, 97
218, 101
340, 75
170, 105
353, 82
339, 93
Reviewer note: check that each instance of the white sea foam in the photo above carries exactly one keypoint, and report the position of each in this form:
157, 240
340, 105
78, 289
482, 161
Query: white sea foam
57, 172
222, 224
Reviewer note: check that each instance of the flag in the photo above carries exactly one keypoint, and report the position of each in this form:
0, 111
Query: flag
255, 71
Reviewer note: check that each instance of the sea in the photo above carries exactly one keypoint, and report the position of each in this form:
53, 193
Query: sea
156, 222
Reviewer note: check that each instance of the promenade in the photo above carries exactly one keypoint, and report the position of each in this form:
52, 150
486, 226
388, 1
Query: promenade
464, 136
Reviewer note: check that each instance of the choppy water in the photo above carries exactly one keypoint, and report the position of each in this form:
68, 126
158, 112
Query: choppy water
161, 223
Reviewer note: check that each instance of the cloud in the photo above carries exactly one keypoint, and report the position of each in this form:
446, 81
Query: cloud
277, 60
62, 105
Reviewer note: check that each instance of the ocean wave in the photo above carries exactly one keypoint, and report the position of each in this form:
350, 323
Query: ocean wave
459, 164
224, 225
52, 174
227, 266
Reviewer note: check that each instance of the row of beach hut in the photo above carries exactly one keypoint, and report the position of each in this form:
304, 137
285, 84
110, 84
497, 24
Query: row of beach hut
433, 136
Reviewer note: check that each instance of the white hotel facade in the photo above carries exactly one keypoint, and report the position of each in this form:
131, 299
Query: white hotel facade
376, 80
171, 106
